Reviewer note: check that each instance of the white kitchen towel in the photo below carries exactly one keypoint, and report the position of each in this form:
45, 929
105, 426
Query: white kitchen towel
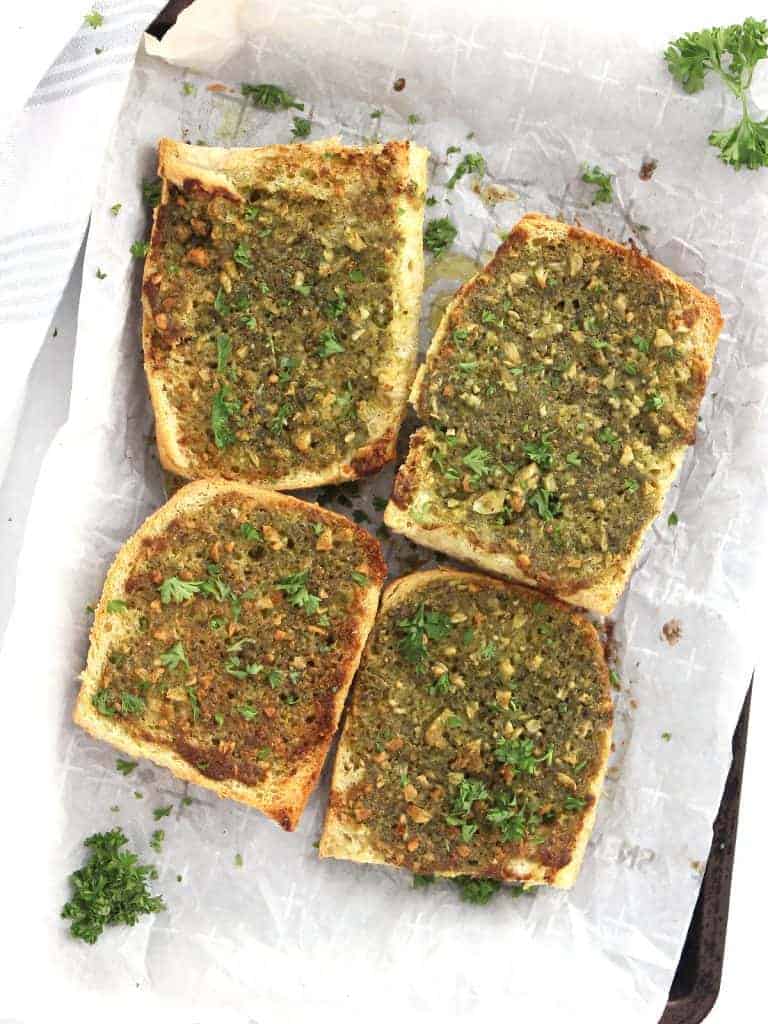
50, 158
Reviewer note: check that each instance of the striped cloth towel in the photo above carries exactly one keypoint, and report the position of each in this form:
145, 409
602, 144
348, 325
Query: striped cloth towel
51, 151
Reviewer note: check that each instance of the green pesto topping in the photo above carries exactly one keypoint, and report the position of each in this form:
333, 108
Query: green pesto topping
256, 693
563, 388
273, 317
478, 723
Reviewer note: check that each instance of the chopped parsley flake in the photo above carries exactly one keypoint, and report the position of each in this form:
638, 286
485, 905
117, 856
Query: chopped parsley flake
597, 176
470, 163
422, 626
302, 126
111, 888
270, 97
151, 190
476, 890
440, 235
295, 589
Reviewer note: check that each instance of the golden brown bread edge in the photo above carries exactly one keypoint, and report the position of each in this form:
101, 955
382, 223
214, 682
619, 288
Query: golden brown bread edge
215, 169
602, 593
345, 841
283, 803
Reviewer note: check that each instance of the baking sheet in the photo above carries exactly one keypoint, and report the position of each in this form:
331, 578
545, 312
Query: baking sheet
286, 935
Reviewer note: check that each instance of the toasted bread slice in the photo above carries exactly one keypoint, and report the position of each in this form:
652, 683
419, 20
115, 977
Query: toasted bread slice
281, 302
477, 737
559, 394
229, 630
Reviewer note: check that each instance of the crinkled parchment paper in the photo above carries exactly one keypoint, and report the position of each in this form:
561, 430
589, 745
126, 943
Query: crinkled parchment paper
286, 935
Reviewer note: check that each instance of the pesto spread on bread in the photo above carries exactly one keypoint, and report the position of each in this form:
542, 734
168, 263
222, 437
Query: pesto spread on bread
234, 634
272, 310
478, 727
558, 395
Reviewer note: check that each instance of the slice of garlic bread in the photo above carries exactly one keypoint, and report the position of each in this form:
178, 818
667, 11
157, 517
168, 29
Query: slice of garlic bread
558, 397
281, 302
477, 737
229, 630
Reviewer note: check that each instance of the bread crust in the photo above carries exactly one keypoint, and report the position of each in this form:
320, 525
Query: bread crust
411, 491
281, 800
346, 841
227, 171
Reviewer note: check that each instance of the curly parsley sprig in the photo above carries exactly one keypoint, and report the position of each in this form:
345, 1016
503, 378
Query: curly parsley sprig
732, 52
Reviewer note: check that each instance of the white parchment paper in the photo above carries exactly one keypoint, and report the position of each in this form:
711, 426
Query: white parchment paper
287, 936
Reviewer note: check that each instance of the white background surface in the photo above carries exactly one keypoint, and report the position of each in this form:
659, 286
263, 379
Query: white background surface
45, 410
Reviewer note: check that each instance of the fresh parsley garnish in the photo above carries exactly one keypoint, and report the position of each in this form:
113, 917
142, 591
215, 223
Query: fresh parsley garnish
672, 519
440, 235
607, 436
469, 791
337, 307
597, 176
360, 579
280, 420
422, 881
573, 803
295, 589
479, 462
248, 712
125, 767
422, 626
270, 97
731, 52
114, 607
103, 701
174, 656
223, 407
241, 254
540, 453
545, 504
329, 344
476, 890
111, 888
115, 209
162, 812
519, 755
139, 249
223, 351
156, 842
470, 163
95, 19
100, 274
173, 590
150, 190
131, 704
302, 126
